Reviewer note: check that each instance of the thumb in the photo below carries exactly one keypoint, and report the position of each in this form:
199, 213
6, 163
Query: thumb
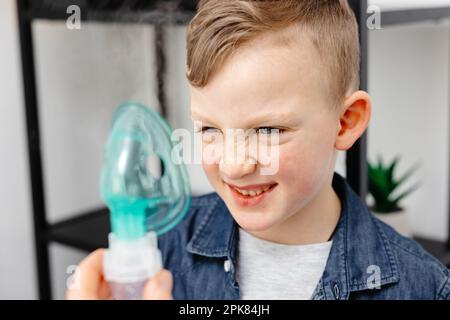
159, 287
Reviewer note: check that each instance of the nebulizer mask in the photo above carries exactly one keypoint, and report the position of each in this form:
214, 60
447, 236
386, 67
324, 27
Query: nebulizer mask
146, 188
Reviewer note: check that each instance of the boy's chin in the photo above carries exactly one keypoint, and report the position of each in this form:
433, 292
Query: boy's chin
254, 222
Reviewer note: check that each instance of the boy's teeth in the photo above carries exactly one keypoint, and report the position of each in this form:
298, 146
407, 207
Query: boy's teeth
251, 193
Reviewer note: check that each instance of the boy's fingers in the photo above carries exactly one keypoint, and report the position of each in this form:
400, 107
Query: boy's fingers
159, 287
88, 277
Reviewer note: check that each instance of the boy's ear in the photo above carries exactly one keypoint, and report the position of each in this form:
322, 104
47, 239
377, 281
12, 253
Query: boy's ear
354, 119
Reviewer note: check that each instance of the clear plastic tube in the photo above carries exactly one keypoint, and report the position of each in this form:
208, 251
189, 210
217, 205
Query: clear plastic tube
127, 291
128, 265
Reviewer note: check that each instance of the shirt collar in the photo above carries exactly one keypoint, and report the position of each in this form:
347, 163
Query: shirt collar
361, 256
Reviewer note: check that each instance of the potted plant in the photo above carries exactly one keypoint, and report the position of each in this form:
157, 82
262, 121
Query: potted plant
382, 187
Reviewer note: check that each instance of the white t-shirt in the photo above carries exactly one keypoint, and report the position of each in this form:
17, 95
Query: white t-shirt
270, 271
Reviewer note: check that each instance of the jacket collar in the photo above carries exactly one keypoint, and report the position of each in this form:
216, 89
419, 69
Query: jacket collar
361, 256
216, 234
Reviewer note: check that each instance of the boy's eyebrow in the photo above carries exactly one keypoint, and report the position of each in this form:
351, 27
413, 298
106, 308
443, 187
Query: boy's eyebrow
274, 118
264, 118
199, 116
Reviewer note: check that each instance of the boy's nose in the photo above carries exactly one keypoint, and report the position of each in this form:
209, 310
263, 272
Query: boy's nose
234, 171
238, 157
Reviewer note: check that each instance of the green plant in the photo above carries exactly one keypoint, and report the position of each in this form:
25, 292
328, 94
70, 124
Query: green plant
382, 185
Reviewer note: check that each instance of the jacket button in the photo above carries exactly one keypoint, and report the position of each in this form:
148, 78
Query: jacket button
227, 265
337, 292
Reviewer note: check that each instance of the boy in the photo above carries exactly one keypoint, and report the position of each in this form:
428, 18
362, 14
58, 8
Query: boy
285, 69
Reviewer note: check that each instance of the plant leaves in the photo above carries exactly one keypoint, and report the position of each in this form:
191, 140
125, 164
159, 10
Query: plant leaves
382, 184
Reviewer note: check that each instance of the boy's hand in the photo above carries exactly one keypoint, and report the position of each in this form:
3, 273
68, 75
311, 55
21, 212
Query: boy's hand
89, 283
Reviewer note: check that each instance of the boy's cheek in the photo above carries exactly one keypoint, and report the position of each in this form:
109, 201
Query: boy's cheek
212, 172
299, 173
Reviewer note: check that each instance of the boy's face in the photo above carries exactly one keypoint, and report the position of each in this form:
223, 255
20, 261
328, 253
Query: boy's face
264, 85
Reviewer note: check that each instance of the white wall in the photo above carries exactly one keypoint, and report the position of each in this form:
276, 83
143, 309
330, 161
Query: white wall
17, 270
409, 83
83, 75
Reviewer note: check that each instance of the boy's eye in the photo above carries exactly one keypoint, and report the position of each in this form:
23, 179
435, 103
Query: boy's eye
208, 130
260, 130
268, 130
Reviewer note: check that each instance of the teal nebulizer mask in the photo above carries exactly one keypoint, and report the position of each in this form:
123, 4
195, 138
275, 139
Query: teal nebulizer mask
146, 188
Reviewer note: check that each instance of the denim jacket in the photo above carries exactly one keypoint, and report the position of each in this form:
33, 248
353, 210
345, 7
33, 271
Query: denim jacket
368, 259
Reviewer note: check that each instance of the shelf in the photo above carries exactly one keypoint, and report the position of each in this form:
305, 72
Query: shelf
141, 12
87, 232
437, 249
145, 17
397, 17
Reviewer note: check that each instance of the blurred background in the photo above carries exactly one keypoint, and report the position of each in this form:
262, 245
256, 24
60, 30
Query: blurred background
60, 83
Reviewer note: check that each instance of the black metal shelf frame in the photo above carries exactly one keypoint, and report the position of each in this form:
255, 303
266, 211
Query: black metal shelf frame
89, 230
397, 17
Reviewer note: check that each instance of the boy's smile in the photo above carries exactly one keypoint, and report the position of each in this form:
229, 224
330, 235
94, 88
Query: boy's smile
269, 87
251, 195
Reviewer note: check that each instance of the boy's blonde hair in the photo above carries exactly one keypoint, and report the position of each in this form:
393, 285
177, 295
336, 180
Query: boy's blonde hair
221, 26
